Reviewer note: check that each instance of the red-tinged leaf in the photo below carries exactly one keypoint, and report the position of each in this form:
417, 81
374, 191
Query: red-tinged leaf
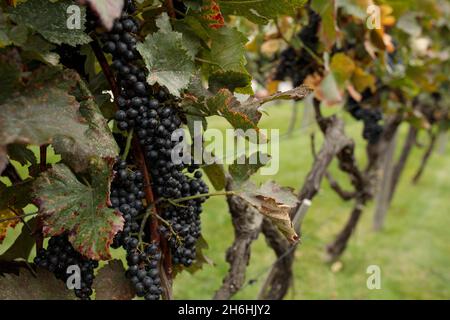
212, 14
67, 205
111, 283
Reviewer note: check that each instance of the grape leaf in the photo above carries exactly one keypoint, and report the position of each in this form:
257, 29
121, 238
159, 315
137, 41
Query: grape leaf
168, 60
44, 112
17, 196
327, 32
245, 167
261, 11
5, 225
226, 57
23, 245
107, 10
230, 80
241, 115
21, 154
216, 175
26, 286
10, 72
32, 13
67, 205
275, 203
111, 283
342, 67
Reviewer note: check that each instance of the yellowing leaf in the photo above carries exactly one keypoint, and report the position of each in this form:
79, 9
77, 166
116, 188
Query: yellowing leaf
362, 80
6, 214
343, 67
270, 47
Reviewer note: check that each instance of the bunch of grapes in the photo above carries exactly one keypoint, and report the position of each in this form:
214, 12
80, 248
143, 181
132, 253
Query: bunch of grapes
143, 259
297, 65
152, 114
59, 256
370, 117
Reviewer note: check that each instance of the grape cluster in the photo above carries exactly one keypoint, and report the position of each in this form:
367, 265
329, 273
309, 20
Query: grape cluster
60, 255
143, 261
370, 117
152, 113
297, 65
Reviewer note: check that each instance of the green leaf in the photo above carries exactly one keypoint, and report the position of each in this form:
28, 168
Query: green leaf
111, 283
167, 59
261, 11
275, 203
245, 167
107, 10
230, 80
26, 286
216, 175
327, 32
50, 20
225, 60
67, 205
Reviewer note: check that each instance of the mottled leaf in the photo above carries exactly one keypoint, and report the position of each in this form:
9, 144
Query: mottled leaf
44, 112
67, 205
50, 19
275, 203
167, 59
26, 286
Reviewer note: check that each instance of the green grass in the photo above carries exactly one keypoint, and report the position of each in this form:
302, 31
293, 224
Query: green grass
412, 251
